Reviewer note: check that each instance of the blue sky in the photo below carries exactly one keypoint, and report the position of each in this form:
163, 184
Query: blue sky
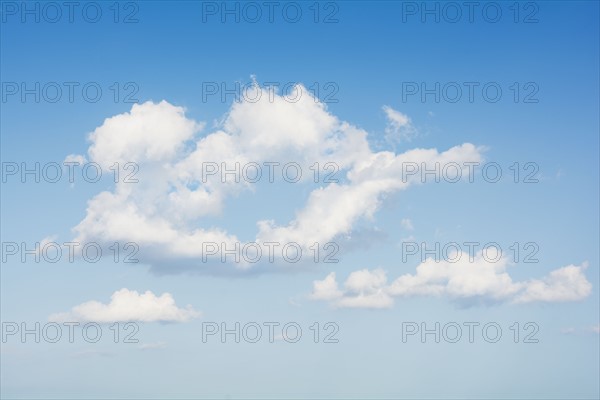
364, 121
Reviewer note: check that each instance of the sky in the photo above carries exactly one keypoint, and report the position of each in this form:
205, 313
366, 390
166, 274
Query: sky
299, 199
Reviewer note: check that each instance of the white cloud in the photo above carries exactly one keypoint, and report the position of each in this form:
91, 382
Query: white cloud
400, 128
335, 209
564, 284
365, 281
380, 299
586, 330
75, 158
163, 212
465, 281
45, 241
129, 305
92, 353
459, 279
152, 346
568, 331
407, 224
149, 132
363, 289
294, 303
327, 289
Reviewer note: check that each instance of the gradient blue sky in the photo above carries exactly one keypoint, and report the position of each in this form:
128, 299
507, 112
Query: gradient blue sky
369, 53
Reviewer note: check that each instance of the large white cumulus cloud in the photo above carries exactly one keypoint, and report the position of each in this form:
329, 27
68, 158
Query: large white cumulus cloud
163, 212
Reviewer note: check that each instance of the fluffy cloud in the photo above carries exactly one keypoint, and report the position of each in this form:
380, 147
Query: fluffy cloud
363, 289
564, 284
149, 132
163, 213
129, 305
327, 289
479, 280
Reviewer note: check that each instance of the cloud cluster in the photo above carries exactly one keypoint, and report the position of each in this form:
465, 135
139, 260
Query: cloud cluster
164, 212
129, 305
480, 281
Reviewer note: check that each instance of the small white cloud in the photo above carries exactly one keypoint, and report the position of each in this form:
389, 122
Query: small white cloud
279, 337
365, 281
564, 284
380, 299
152, 346
44, 242
586, 330
92, 353
407, 224
399, 128
464, 280
76, 158
409, 238
294, 303
129, 305
327, 289
363, 289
